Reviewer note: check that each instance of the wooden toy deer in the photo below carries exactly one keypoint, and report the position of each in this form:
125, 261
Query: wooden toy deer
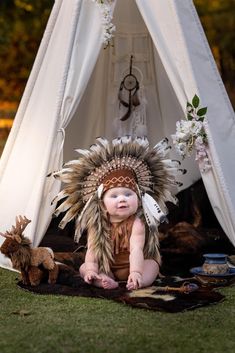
33, 263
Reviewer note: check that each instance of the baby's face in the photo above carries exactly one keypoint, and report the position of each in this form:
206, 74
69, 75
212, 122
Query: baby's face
120, 203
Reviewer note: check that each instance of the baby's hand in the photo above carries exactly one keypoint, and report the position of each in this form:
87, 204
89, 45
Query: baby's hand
91, 276
134, 281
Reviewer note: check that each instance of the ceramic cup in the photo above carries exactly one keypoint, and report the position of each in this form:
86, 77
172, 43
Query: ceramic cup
215, 264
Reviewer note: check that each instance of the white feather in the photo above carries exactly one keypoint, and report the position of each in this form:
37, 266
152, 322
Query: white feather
171, 163
153, 207
95, 148
161, 144
104, 144
83, 152
84, 209
143, 141
62, 172
62, 208
170, 197
62, 194
116, 141
126, 139
74, 161
100, 190
103, 141
162, 147
151, 221
176, 171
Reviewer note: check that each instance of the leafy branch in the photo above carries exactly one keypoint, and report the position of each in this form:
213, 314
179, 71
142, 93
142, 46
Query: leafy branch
194, 111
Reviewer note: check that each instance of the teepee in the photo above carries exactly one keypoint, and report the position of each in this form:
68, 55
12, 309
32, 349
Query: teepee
73, 96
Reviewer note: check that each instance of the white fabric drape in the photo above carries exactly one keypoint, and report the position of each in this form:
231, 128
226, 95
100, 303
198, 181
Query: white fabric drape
184, 51
64, 63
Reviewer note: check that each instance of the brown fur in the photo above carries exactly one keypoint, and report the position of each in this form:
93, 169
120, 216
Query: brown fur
183, 238
33, 263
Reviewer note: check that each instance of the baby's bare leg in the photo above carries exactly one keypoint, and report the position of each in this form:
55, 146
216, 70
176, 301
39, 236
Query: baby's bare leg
150, 272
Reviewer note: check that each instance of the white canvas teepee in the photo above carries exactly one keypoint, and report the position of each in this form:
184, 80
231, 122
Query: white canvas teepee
72, 97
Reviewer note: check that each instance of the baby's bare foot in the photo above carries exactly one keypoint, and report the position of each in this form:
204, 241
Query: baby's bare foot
109, 283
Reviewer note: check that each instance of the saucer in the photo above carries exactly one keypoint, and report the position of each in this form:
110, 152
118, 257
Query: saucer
214, 279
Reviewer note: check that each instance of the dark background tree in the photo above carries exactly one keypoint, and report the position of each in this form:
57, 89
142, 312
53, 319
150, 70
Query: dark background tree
21, 27
22, 23
218, 20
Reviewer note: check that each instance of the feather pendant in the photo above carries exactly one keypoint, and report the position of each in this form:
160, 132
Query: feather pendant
153, 208
151, 221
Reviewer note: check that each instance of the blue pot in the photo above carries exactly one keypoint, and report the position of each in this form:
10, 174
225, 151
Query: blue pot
215, 258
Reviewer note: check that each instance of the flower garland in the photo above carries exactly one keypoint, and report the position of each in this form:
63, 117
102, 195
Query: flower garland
190, 134
106, 13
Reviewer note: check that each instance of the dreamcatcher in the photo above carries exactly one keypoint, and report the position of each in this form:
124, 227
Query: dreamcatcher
131, 110
131, 85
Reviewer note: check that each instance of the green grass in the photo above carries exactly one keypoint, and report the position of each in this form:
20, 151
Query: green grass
32, 323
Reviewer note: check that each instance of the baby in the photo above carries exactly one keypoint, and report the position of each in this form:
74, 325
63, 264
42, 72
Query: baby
128, 238
116, 190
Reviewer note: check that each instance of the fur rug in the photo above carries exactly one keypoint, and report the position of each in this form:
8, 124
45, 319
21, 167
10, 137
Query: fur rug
155, 297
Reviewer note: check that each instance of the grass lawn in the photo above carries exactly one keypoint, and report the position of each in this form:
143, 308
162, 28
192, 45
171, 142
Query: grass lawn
32, 323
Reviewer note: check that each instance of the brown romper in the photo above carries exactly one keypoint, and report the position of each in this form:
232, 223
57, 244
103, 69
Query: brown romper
120, 233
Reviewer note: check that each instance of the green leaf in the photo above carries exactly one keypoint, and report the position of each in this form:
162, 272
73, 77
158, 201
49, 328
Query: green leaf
190, 117
202, 111
195, 101
189, 105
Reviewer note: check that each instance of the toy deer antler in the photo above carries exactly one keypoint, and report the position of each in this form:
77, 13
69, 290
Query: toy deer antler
21, 224
17, 230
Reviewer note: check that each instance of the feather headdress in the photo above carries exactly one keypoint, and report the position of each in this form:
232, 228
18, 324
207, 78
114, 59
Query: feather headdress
124, 161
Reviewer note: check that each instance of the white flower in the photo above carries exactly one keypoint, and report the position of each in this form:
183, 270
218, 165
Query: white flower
190, 135
196, 127
199, 141
183, 135
108, 27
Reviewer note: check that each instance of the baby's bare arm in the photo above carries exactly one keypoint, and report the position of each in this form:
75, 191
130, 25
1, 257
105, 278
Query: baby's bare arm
137, 241
90, 266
